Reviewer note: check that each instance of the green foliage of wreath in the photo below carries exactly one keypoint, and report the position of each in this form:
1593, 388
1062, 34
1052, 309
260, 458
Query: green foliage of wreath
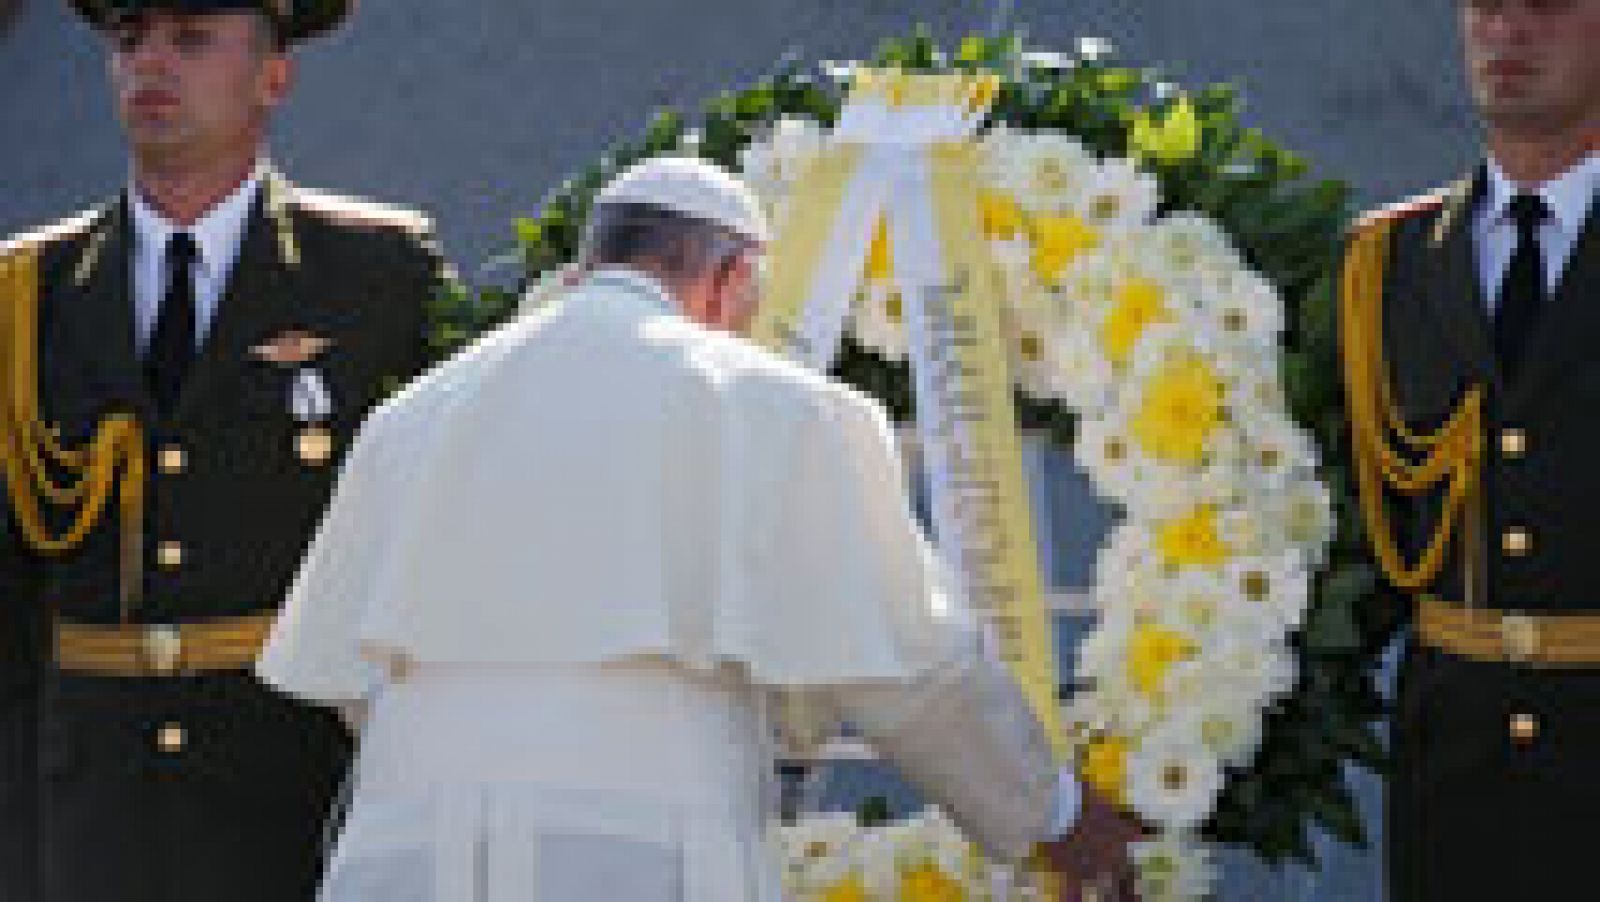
1290, 227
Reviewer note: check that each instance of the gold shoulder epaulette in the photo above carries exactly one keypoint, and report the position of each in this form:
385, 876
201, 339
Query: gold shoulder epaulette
39, 237
1405, 209
360, 211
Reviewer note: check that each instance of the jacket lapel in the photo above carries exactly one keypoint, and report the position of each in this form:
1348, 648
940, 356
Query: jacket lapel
1567, 329
97, 307
258, 297
1451, 282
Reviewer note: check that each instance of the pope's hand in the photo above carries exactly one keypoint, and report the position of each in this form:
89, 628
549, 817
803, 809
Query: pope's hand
1092, 862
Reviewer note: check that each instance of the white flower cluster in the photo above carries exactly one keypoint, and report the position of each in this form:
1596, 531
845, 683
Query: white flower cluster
1164, 342
830, 857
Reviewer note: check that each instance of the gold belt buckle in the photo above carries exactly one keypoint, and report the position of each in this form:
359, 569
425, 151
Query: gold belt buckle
1519, 635
163, 647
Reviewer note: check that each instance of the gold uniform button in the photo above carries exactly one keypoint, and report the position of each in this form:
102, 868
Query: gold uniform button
171, 738
1513, 443
170, 554
314, 445
1517, 541
1524, 727
172, 459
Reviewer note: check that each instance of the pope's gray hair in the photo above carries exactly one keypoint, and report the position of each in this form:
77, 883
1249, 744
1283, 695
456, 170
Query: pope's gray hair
667, 242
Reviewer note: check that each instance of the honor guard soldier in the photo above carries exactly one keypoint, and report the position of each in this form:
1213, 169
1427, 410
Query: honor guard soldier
1470, 321
182, 370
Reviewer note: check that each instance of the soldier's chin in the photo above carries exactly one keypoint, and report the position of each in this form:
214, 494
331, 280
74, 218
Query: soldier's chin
156, 138
1518, 111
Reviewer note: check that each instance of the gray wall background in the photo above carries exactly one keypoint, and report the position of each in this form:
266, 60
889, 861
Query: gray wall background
473, 109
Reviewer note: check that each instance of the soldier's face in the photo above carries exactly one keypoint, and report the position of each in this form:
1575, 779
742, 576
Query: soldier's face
1534, 65
195, 85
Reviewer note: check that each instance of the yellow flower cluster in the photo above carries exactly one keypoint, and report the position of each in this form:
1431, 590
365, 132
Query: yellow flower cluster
1152, 650
1140, 303
1192, 540
1105, 766
1182, 407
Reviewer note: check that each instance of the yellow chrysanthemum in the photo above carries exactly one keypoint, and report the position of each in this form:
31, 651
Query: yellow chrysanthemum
1105, 766
1002, 217
850, 889
1182, 407
1192, 540
1152, 650
1140, 303
1057, 241
926, 883
880, 259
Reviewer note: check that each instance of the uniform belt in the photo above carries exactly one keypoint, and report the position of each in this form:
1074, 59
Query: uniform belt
1485, 634
162, 649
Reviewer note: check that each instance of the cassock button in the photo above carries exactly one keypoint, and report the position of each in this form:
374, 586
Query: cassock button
1513, 443
314, 445
171, 738
172, 459
1524, 728
170, 555
1517, 541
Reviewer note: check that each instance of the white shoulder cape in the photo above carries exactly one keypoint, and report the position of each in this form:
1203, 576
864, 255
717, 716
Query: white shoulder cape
603, 479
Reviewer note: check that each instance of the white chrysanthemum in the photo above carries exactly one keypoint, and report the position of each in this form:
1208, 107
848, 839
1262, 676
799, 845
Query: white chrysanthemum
1277, 450
1196, 601
1302, 513
1279, 584
1089, 285
1244, 309
818, 850
1191, 244
1246, 662
1230, 725
931, 838
1086, 380
1172, 868
1044, 171
1167, 341
1118, 196
1106, 452
1173, 779
1032, 354
876, 858
878, 320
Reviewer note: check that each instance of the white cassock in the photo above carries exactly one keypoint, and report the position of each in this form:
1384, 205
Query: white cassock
608, 546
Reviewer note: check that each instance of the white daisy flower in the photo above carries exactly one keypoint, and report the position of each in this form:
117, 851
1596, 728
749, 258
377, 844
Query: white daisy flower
1045, 171
1280, 584
1173, 779
818, 850
1119, 196
878, 320
1173, 868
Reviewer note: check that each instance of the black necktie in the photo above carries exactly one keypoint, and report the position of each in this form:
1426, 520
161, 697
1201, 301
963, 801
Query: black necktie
172, 342
1522, 293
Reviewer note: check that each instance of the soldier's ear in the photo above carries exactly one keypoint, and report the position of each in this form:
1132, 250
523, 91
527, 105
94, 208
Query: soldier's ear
277, 78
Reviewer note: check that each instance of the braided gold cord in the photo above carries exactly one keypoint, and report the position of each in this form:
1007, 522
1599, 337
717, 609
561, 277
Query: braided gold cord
31, 454
1452, 455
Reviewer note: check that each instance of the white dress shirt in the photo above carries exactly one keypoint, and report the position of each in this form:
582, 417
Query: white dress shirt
1568, 196
218, 235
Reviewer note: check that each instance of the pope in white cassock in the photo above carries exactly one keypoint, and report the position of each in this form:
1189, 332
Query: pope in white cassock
570, 577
